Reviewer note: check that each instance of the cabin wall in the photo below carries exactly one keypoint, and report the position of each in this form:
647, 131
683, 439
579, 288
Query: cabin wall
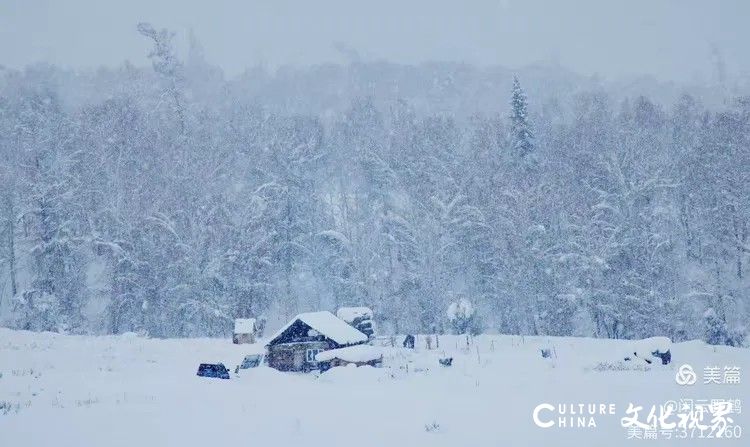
294, 356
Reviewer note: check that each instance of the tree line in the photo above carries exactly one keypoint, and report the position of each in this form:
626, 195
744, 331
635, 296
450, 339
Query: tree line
175, 204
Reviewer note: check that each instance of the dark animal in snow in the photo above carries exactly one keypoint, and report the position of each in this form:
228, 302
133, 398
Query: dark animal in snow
666, 357
409, 342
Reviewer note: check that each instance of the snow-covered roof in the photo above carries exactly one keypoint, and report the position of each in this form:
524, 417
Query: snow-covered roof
328, 325
349, 314
357, 353
244, 326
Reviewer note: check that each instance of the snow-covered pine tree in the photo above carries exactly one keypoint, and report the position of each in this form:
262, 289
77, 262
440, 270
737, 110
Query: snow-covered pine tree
56, 293
463, 318
168, 67
522, 137
715, 326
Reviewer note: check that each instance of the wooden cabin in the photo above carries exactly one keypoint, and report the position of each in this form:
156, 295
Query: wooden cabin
244, 331
294, 347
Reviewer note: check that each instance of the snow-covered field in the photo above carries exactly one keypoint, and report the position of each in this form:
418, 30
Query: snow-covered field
58, 390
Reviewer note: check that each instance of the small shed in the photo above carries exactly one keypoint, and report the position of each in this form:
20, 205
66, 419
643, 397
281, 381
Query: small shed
358, 355
295, 346
244, 331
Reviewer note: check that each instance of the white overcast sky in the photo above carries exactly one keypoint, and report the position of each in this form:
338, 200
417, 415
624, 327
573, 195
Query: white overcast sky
671, 39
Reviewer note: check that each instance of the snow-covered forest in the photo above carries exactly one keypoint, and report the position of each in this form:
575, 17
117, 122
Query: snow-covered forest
170, 199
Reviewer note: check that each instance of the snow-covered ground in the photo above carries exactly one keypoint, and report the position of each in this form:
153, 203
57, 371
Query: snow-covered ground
58, 390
